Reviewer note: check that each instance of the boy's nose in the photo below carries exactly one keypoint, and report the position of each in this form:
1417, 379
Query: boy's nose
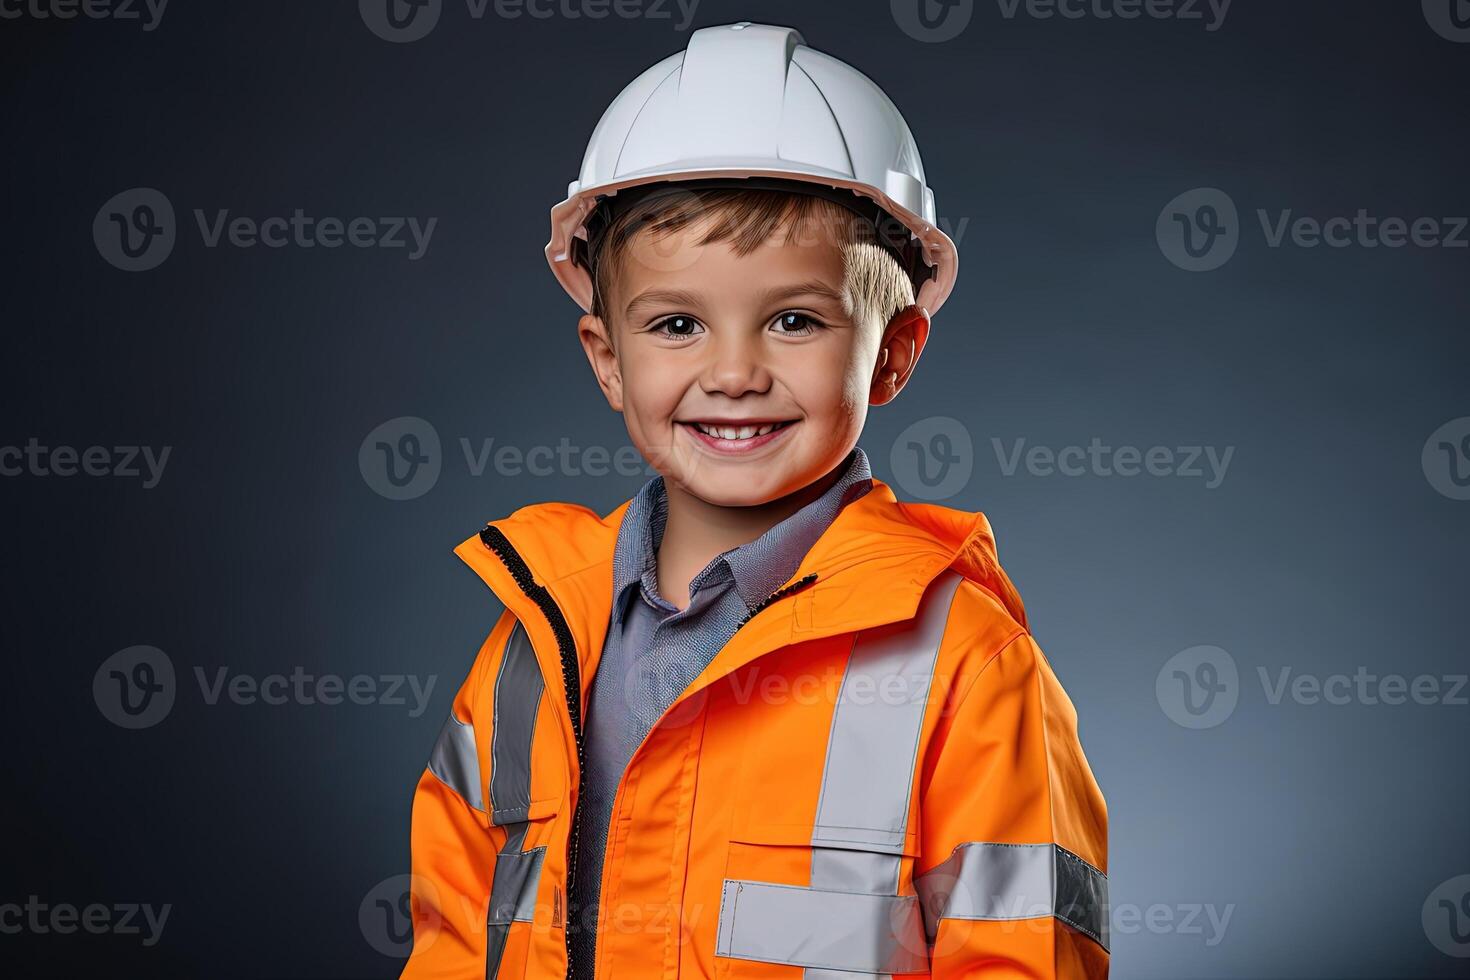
735, 367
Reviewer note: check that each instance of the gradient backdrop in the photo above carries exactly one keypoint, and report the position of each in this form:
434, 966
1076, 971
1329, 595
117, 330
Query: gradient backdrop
1134, 295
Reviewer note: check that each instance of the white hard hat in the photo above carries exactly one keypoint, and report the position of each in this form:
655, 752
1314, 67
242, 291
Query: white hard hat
753, 101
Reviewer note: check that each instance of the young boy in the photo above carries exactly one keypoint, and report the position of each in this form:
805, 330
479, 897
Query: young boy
762, 720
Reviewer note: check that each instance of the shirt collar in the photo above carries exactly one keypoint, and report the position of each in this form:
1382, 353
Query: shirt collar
759, 567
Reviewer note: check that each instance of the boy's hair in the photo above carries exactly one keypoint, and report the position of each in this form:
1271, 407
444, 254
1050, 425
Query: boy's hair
874, 287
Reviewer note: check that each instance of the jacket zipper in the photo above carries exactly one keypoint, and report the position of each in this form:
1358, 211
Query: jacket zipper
496, 541
780, 593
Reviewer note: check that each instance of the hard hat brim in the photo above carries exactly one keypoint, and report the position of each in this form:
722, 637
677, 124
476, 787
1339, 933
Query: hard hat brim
568, 218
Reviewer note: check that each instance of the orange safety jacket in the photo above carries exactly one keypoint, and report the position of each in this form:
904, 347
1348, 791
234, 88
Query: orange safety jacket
879, 774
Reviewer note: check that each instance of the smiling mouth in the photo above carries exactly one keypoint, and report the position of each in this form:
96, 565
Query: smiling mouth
718, 430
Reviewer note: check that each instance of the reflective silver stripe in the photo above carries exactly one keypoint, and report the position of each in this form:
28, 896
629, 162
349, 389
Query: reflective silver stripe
517, 873
826, 930
455, 761
519, 687
851, 921
1016, 881
871, 749
518, 690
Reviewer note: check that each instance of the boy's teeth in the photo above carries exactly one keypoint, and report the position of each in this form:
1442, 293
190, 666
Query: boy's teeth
735, 431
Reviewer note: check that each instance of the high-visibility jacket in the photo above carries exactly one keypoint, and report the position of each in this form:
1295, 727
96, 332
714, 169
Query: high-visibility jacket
879, 774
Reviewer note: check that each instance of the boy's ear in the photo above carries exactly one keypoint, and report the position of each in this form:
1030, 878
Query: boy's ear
903, 342
597, 341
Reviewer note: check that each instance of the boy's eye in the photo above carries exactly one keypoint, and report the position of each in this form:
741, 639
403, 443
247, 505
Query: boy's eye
677, 326
795, 324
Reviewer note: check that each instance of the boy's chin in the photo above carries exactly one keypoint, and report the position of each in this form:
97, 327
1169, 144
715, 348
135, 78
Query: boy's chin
755, 483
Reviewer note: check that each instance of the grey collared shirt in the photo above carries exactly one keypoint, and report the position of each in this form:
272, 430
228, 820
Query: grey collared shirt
654, 650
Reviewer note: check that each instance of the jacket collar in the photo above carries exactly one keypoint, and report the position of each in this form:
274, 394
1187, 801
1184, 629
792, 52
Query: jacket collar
757, 568
872, 565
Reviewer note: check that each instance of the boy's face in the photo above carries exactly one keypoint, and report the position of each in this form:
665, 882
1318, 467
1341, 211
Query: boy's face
740, 378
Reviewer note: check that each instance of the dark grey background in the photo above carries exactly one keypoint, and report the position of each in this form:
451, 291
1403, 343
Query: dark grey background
1322, 829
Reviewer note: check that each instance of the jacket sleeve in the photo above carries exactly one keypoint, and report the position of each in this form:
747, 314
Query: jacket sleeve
453, 842
1012, 870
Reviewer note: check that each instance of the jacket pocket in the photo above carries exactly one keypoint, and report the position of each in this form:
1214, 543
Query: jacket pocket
787, 906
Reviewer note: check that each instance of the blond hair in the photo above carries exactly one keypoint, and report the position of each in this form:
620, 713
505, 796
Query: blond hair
874, 287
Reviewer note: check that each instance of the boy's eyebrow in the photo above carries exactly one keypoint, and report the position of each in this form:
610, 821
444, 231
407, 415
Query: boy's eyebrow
654, 297
812, 287
681, 297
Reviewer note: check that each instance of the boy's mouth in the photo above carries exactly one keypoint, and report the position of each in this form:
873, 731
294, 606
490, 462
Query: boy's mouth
729, 436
